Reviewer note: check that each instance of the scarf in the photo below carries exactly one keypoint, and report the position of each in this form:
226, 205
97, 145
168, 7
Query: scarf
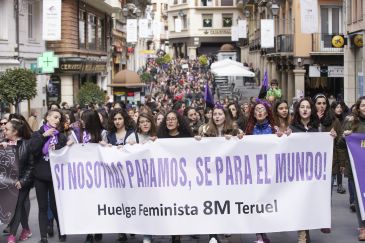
52, 140
86, 137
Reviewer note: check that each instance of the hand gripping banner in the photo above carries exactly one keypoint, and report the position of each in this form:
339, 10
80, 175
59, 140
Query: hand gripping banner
183, 186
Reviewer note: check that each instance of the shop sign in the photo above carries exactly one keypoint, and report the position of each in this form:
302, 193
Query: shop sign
335, 71
220, 32
338, 41
314, 71
358, 40
83, 67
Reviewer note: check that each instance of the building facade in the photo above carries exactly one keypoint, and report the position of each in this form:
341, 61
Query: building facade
205, 26
21, 43
85, 48
304, 64
354, 51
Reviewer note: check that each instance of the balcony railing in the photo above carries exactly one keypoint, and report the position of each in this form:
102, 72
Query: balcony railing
322, 43
284, 43
255, 45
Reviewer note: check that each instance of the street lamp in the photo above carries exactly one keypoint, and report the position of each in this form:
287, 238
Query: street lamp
181, 13
275, 9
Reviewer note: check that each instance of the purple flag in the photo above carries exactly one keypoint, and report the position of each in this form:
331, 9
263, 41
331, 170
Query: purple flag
208, 97
356, 146
265, 82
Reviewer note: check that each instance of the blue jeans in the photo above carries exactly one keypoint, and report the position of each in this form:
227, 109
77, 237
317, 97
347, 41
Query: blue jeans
351, 186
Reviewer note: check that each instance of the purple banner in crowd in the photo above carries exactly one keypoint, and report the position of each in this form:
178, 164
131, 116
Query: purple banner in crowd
8, 176
356, 145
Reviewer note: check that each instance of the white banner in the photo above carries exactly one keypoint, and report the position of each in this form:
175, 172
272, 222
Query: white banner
51, 30
335, 71
132, 33
156, 29
183, 186
309, 16
267, 33
242, 28
234, 33
178, 25
143, 28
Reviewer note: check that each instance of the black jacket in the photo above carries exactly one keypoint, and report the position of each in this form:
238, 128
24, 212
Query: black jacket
300, 128
112, 137
25, 163
42, 168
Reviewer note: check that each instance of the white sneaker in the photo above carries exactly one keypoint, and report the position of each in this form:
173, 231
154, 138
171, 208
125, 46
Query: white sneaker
213, 240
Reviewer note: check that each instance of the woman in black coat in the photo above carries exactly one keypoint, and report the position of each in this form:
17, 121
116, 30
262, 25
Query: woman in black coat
17, 134
47, 138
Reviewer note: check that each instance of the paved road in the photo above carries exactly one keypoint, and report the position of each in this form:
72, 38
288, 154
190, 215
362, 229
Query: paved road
344, 229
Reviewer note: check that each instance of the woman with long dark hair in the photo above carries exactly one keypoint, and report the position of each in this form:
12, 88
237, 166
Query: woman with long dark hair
282, 117
120, 127
174, 125
237, 115
47, 138
305, 120
328, 122
355, 125
90, 131
17, 134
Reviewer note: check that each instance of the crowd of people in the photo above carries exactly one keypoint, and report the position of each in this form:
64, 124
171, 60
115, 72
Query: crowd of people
175, 108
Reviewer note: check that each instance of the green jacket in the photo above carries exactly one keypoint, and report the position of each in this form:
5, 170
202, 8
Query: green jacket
274, 92
342, 143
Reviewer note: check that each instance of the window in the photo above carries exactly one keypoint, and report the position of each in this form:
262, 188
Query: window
173, 22
91, 32
34, 20
4, 21
175, 2
349, 12
184, 21
82, 18
30, 21
101, 34
207, 20
226, 2
183, 1
330, 20
227, 20
206, 2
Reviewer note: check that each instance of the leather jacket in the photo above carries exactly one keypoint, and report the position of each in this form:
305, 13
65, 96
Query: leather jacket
25, 163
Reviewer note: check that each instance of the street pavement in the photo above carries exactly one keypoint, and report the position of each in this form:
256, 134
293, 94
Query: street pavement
344, 229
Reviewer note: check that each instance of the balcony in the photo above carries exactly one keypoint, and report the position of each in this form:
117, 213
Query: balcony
255, 45
284, 43
321, 45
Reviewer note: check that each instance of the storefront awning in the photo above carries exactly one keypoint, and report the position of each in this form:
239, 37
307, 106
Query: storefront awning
127, 78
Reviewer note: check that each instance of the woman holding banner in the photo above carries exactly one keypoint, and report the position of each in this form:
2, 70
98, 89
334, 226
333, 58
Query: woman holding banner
220, 125
146, 131
16, 133
261, 122
174, 126
48, 137
355, 125
121, 126
304, 120
90, 131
